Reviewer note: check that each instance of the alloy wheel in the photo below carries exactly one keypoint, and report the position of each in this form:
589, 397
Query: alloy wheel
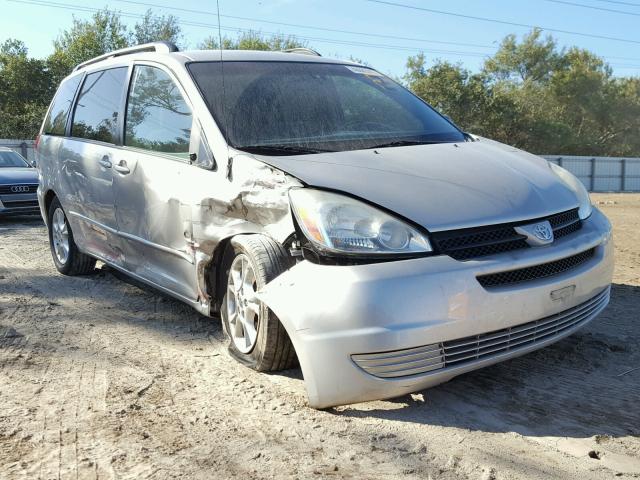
60, 236
243, 308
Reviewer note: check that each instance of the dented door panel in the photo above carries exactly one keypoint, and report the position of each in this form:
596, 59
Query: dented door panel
154, 216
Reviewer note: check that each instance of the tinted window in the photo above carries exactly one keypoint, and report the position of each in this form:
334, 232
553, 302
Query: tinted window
56, 120
295, 106
11, 159
96, 112
158, 118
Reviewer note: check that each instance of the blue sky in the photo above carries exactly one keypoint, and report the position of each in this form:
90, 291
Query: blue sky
39, 25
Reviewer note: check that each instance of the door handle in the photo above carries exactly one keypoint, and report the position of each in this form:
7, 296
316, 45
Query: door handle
105, 162
121, 167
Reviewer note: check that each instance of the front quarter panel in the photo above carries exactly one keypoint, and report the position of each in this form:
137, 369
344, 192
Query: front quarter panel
253, 198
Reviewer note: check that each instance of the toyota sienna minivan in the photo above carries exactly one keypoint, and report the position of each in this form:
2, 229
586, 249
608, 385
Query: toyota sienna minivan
327, 214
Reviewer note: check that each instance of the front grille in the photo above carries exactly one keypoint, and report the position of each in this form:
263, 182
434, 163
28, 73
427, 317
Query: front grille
537, 271
463, 351
470, 243
6, 189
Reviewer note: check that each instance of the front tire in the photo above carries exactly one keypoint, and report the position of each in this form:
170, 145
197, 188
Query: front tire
256, 336
66, 256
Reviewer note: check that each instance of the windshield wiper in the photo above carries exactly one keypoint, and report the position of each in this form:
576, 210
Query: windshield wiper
404, 143
280, 149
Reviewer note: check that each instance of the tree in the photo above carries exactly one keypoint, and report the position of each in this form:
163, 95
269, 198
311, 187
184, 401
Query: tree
103, 33
153, 28
449, 88
25, 90
534, 59
536, 96
253, 41
87, 39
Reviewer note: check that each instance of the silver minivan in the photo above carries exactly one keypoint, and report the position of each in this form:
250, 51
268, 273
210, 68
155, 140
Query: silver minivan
325, 213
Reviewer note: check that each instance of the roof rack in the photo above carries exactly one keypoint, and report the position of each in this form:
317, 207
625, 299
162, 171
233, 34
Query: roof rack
302, 50
160, 47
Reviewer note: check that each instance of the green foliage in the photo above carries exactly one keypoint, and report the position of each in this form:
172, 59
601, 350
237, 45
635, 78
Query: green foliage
25, 90
252, 41
153, 28
87, 39
538, 97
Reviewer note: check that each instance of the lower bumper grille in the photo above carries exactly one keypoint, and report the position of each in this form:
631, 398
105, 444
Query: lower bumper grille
20, 204
454, 353
537, 271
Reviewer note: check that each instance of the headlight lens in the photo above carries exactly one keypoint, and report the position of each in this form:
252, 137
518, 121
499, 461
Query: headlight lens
342, 224
578, 188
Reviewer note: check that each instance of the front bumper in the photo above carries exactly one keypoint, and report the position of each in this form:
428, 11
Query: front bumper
334, 312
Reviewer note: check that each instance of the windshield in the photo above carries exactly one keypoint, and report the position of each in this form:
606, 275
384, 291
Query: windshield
12, 159
284, 108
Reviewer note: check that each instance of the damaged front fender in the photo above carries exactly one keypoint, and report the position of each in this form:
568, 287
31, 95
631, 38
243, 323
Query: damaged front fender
251, 198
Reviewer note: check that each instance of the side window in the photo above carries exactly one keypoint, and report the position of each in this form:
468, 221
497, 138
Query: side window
96, 112
56, 120
158, 118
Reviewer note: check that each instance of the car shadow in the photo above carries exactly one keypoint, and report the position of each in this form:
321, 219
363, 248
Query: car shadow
20, 221
584, 385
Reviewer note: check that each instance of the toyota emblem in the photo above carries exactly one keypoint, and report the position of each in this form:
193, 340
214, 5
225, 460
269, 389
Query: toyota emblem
543, 232
537, 234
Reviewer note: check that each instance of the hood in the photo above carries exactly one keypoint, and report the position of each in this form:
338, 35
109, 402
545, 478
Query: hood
10, 175
442, 186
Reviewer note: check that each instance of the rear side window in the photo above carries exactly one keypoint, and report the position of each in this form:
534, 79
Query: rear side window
96, 112
158, 118
56, 120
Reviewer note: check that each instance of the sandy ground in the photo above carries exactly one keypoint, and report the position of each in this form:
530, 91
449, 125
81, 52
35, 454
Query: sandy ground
99, 379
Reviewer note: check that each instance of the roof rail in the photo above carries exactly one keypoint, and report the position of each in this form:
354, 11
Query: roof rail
160, 47
302, 50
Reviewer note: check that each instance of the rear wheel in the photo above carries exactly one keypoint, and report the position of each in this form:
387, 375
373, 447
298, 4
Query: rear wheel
256, 336
66, 256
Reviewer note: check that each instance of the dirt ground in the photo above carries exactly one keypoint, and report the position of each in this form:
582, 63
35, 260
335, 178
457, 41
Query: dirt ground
99, 379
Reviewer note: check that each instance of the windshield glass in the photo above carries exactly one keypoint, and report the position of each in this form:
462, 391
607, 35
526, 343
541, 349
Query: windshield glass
282, 108
12, 159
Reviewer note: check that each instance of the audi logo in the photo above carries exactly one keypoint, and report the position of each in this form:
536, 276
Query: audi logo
20, 189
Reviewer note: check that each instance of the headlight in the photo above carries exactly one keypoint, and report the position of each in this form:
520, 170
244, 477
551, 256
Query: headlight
342, 224
578, 188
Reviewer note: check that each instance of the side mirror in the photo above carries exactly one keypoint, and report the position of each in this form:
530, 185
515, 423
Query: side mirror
200, 154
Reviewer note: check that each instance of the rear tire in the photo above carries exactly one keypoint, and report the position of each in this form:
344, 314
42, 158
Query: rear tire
66, 256
256, 336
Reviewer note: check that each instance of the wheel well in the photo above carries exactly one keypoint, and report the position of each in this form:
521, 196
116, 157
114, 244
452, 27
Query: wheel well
215, 272
48, 198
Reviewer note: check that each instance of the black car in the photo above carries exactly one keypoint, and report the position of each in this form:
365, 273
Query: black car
18, 184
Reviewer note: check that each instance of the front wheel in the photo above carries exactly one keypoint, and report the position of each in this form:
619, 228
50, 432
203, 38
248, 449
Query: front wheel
66, 256
256, 336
